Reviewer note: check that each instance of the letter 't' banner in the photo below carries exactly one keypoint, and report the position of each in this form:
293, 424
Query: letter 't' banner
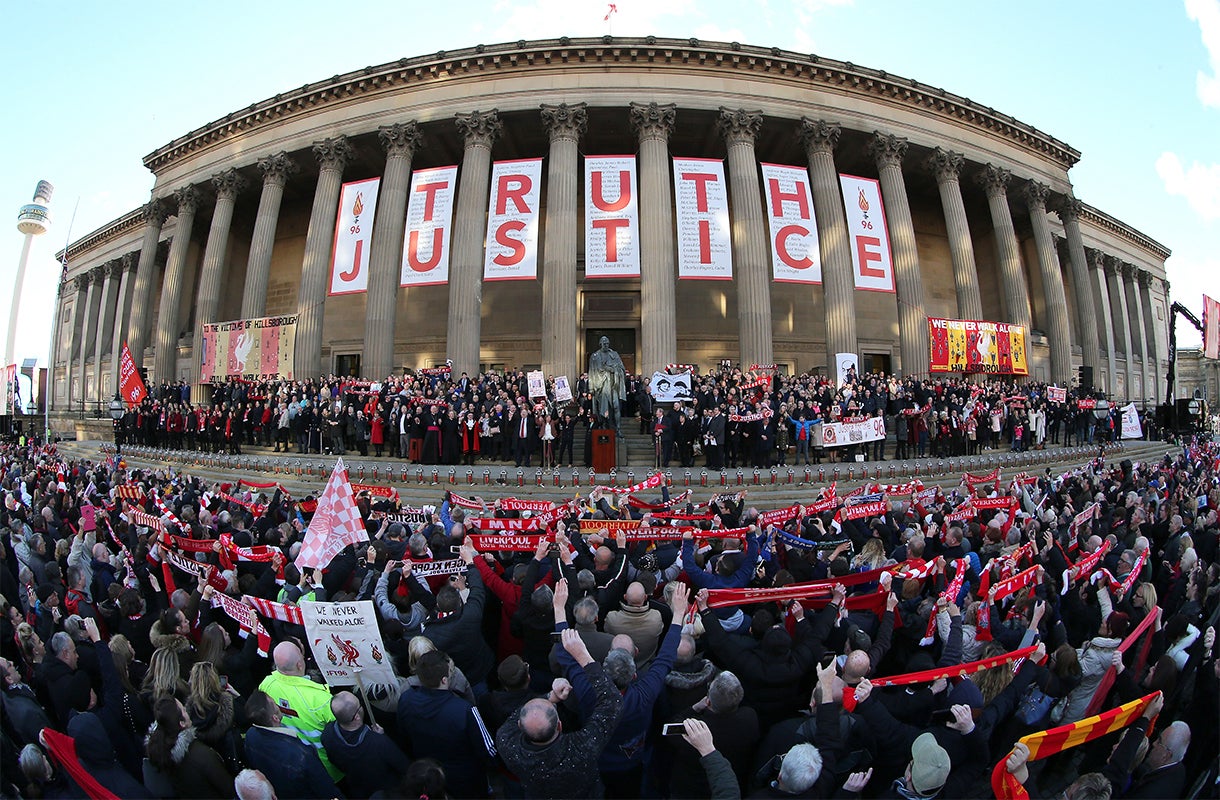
512, 221
612, 220
867, 234
705, 250
251, 349
425, 245
795, 257
130, 382
968, 345
349, 261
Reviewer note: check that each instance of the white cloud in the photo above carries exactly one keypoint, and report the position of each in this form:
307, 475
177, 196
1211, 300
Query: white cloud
1207, 14
1200, 184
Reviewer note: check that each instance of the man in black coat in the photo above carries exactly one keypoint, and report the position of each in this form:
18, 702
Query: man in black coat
714, 449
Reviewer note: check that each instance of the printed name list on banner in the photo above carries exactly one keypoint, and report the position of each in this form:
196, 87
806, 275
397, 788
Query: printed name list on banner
345, 640
701, 197
353, 237
612, 224
870, 241
425, 248
794, 233
512, 221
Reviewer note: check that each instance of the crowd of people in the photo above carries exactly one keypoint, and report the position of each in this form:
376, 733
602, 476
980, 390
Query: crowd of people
732, 419
897, 642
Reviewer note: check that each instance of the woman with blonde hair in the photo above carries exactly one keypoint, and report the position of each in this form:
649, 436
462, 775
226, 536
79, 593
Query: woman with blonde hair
871, 556
162, 679
458, 682
210, 708
134, 716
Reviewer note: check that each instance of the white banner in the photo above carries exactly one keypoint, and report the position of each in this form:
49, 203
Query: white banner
345, 640
349, 259
841, 434
1056, 394
844, 362
1131, 423
870, 242
425, 244
794, 232
666, 388
612, 218
701, 197
512, 221
563, 390
537, 383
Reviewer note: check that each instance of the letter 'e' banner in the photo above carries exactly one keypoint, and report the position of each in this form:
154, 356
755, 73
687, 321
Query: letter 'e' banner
512, 221
794, 232
251, 349
349, 260
425, 244
704, 247
612, 218
967, 345
868, 236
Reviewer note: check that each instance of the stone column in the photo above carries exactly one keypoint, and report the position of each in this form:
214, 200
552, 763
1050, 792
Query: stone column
228, 185
565, 124
480, 130
889, 150
112, 273
92, 283
56, 354
1105, 324
122, 311
653, 124
154, 215
332, 155
165, 357
1069, 209
77, 348
751, 254
1139, 339
1012, 278
400, 141
1057, 327
838, 282
947, 166
275, 171
1118, 316
1152, 353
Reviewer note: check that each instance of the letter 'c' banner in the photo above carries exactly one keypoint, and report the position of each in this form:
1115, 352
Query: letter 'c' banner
349, 261
868, 236
425, 246
512, 221
967, 345
251, 349
701, 198
794, 232
612, 218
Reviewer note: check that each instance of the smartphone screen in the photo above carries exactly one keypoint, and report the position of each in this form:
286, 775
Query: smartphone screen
673, 729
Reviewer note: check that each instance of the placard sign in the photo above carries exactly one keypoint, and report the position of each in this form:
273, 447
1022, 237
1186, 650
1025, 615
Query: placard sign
345, 640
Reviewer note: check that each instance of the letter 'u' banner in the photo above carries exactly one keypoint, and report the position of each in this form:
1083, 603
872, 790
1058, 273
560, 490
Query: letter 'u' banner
425, 244
701, 197
512, 221
612, 218
251, 349
967, 345
868, 236
794, 231
349, 261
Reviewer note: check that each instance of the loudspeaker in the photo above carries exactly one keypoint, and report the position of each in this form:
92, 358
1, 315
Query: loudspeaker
1086, 380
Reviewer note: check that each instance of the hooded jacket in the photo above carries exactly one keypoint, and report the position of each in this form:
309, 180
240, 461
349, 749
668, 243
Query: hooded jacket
195, 769
1095, 658
292, 766
354, 751
96, 755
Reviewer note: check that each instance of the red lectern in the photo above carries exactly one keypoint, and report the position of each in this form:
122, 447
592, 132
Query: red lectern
603, 449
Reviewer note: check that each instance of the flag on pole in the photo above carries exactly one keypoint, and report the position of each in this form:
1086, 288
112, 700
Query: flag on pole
335, 524
1211, 326
130, 382
613, 10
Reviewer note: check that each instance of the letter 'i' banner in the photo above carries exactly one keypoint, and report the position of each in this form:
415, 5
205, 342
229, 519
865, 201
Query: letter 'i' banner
794, 232
612, 222
425, 245
867, 234
349, 259
512, 221
701, 197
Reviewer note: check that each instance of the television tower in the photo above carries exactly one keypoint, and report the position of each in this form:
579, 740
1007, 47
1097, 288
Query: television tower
33, 220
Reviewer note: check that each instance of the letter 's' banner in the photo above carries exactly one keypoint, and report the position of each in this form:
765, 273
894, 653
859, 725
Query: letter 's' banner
794, 232
967, 345
705, 249
349, 260
251, 349
512, 221
425, 244
612, 220
868, 236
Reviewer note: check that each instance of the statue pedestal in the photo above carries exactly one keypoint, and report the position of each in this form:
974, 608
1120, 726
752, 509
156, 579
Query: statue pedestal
604, 450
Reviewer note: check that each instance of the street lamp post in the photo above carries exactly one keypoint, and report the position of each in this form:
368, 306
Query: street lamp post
1101, 411
116, 414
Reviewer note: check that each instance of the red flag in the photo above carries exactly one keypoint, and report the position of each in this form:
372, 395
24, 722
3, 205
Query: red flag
613, 10
130, 382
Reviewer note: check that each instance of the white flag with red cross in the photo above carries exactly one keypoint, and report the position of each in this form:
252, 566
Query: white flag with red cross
335, 524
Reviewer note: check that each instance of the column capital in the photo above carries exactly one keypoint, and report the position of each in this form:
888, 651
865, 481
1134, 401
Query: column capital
82, 281
994, 180
1036, 194
98, 273
819, 136
479, 128
1165, 286
653, 120
1097, 259
739, 126
1130, 271
130, 261
888, 150
113, 269
1144, 277
155, 212
228, 184
187, 199
401, 139
1112, 266
565, 121
276, 168
1068, 208
946, 165
333, 153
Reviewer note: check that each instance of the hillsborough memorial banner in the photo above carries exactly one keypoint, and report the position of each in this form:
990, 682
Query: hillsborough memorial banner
251, 349
870, 241
842, 434
349, 259
425, 247
612, 223
967, 345
666, 388
345, 640
512, 221
1131, 422
794, 232
701, 197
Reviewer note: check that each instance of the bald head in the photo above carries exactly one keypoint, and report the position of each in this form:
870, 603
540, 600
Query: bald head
346, 708
686, 649
288, 659
635, 595
603, 557
539, 722
623, 642
857, 667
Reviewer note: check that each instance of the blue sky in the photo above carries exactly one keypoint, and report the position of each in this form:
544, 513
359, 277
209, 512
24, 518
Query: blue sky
93, 87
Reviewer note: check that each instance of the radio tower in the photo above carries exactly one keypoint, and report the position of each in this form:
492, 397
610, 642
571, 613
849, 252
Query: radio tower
33, 220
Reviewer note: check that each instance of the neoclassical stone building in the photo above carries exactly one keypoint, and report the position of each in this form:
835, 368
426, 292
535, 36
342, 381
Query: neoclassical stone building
982, 221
